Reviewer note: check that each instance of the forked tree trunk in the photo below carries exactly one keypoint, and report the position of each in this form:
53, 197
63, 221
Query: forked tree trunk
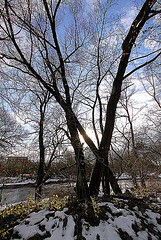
127, 45
113, 181
81, 185
82, 188
103, 173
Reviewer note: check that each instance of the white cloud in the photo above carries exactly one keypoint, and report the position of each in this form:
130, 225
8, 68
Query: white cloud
151, 44
128, 18
91, 3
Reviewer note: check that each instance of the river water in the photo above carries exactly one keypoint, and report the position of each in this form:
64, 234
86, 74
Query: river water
14, 195
18, 194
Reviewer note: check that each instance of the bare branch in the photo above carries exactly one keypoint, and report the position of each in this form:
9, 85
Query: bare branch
142, 65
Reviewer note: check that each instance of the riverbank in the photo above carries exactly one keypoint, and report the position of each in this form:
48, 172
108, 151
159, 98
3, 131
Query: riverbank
18, 182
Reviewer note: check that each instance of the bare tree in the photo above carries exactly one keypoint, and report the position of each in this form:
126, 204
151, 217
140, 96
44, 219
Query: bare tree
46, 131
40, 26
46, 158
151, 82
127, 45
131, 154
11, 133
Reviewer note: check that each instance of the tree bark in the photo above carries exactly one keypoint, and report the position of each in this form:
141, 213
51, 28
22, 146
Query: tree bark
103, 173
105, 182
40, 173
113, 181
96, 177
82, 187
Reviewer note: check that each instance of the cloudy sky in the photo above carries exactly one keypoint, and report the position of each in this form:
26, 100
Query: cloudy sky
128, 11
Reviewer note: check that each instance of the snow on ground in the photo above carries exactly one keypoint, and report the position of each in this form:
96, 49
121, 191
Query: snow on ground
13, 181
25, 182
120, 222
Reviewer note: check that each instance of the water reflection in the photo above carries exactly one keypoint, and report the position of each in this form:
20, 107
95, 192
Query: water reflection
14, 195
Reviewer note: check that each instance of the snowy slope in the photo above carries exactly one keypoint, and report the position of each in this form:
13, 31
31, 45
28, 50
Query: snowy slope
121, 220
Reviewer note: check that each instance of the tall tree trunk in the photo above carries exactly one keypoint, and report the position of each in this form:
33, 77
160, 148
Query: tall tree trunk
142, 179
40, 173
134, 180
82, 187
96, 178
105, 182
109, 124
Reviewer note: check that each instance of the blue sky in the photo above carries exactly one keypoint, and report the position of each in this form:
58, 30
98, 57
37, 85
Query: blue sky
124, 4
